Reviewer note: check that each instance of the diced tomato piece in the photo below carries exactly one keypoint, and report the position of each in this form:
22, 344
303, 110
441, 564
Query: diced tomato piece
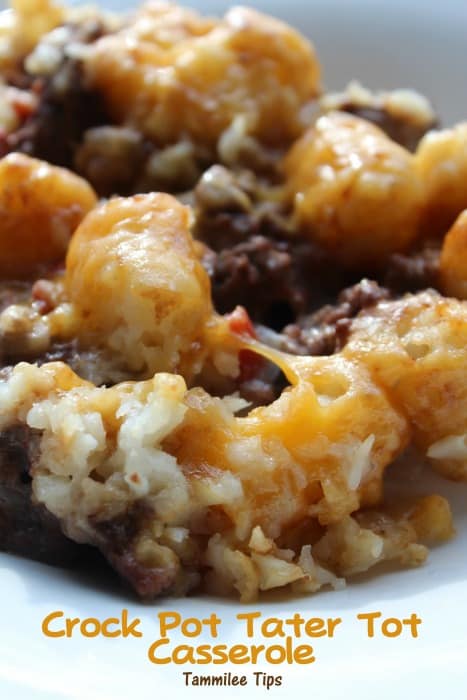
250, 362
240, 323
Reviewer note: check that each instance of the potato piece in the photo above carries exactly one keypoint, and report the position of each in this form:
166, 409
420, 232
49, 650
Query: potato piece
441, 162
137, 284
339, 427
24, 25
36, 18
171, 74
415, 349
40, 207
356, 544
453, 261
354, 190
166, 23
432, 519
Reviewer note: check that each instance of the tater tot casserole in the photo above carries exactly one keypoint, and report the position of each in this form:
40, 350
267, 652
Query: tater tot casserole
229, 301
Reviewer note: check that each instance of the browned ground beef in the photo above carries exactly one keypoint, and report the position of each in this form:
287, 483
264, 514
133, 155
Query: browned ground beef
26, 528
275, 280
31, 530
410, 273
116, 540
254, 257
286, 281
325, 331
65, 110
399, 129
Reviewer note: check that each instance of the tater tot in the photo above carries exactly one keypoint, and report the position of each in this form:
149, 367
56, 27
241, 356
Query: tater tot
453, 261
166, 23
24, 25
137, 285
195, 77
441, 162
320, 448
40, 207
36, 18
415, 349
354, 190
338, 427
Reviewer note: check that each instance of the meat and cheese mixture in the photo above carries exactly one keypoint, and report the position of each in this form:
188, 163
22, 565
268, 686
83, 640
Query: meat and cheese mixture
229, 302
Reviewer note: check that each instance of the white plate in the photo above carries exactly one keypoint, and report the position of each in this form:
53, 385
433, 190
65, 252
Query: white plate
398, 44
35, 667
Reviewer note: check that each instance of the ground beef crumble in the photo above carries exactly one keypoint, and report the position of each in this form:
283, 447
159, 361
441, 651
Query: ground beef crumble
116, 540
66, 109
27, 528
405, 132
325, 331
410, 273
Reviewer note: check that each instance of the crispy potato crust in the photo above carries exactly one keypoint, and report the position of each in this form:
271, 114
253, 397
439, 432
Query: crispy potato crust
354, 190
